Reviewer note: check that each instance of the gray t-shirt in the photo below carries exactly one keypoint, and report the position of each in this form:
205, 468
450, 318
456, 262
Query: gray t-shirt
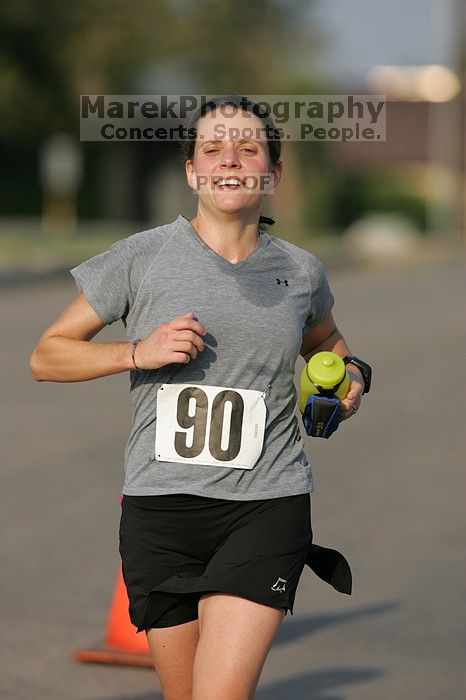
255, 312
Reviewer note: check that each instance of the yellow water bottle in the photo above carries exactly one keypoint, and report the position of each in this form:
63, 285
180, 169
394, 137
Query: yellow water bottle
324, 374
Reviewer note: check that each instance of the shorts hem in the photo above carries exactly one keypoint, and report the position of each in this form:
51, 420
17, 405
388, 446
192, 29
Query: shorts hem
225, 589
166, 623
173, 623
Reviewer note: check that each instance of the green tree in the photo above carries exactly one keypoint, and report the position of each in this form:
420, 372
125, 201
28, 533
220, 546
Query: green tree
53, 51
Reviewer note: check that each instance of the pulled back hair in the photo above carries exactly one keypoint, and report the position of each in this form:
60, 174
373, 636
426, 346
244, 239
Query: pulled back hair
273, 135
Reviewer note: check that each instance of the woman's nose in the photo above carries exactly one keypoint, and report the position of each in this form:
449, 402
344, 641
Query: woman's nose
229, 156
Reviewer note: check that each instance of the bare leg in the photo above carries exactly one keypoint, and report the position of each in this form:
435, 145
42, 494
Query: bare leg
173, 650
236, 635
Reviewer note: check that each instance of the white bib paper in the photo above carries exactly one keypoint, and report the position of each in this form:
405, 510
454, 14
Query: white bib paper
201, 424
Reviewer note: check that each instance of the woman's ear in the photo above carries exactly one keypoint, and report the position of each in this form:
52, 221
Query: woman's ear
277, 171
190, 173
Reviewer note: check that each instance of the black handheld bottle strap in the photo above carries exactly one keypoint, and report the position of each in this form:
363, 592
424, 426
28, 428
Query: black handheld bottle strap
321, 415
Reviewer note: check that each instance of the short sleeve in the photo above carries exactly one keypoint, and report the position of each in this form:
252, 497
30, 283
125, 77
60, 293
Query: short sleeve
321, 299
105, 282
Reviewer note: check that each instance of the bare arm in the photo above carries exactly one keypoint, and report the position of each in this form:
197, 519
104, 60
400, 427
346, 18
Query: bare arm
326, 336
64, 352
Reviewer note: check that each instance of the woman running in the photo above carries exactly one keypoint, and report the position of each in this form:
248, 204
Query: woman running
215, 525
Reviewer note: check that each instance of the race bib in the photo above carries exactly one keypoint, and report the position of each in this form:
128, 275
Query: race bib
201, 424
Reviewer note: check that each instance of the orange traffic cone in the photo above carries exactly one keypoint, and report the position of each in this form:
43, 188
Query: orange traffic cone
122, 645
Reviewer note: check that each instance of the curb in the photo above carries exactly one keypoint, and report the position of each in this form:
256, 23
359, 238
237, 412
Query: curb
11, 277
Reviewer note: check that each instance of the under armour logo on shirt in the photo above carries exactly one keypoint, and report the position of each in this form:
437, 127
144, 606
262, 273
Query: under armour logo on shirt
279, 585
285, 282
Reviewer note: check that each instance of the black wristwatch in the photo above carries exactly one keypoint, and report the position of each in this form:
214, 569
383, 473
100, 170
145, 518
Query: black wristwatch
366, 370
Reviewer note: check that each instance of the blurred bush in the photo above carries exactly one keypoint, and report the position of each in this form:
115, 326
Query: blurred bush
336, 197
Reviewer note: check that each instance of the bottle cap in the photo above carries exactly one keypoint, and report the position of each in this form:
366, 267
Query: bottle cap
326, 369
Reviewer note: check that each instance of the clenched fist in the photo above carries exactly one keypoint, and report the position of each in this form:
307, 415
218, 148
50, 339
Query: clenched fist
175, 341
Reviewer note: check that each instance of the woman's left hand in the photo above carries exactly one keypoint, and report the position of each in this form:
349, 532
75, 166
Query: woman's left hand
352, 401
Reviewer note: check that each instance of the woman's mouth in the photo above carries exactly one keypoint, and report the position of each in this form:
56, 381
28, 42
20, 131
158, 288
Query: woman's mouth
228, 183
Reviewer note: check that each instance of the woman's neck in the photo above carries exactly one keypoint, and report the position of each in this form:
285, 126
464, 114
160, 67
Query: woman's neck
230, 237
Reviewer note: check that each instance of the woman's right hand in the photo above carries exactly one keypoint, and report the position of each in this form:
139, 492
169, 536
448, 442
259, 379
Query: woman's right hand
176, 341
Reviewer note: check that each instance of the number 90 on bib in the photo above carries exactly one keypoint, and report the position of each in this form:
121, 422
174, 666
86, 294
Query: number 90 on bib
201, 424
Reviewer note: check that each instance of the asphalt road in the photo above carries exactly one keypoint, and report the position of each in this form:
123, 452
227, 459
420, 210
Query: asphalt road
390, 495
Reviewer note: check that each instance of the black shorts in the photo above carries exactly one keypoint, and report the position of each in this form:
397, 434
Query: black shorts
177, 547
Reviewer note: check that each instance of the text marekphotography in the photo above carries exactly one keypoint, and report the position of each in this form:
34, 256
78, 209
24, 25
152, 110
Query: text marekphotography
296, 117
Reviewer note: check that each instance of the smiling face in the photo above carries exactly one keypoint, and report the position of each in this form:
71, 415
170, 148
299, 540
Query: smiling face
231, 169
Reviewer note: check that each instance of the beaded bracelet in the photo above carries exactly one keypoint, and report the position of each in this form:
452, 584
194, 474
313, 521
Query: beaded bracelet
134, 344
